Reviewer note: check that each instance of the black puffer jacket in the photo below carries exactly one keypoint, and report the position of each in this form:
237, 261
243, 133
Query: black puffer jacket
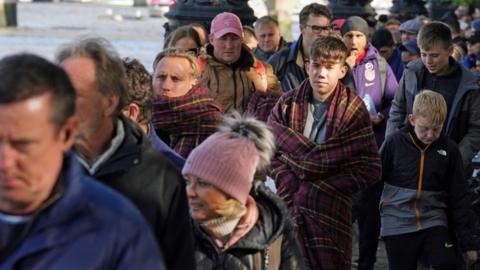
152, 183
273, 222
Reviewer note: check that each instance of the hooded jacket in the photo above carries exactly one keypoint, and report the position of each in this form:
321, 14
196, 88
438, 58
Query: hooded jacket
84, 225
368, 81
232, 85
274, 221
153, 184
463, 123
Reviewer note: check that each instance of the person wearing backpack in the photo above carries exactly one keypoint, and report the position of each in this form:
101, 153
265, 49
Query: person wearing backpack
238, 223
376, 84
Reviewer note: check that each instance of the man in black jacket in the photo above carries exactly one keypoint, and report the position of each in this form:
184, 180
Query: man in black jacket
115, 150
289, 63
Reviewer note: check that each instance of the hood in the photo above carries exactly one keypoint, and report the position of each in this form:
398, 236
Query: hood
372, 53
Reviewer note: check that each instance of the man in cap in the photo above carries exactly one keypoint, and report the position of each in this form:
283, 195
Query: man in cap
289, 63
410, 51
118, 153
409, 29
230, 69
52, 215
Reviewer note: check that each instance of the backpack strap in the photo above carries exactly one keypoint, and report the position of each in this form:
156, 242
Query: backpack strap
270, 258
382, 66
202, 63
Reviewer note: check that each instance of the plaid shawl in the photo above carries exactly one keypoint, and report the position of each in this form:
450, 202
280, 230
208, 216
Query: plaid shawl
318, 180
188, 120
260, 104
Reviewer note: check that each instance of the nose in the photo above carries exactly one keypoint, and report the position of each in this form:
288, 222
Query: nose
167, 84
322, 72
191, 192
6, 156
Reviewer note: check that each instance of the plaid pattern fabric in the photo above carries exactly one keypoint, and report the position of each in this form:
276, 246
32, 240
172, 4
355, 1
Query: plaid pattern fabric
188, 120
318, 180
260, 104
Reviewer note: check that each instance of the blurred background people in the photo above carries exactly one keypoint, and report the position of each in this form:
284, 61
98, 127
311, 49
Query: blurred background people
269, 39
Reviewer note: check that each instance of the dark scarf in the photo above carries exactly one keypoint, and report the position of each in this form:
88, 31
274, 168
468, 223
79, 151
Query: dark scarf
188, 119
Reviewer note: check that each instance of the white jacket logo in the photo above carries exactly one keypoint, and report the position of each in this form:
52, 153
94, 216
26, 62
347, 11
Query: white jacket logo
442, 152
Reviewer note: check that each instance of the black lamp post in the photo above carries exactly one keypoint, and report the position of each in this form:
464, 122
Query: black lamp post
184, 12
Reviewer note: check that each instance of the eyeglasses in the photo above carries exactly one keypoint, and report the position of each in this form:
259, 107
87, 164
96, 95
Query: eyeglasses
319, 29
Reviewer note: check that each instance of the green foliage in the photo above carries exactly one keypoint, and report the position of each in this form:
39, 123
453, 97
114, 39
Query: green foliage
461, 2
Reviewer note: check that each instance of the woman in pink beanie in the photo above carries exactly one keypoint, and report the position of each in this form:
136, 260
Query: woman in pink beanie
238, 223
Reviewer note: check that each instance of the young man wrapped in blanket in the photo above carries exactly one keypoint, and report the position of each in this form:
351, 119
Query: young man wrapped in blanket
326, 152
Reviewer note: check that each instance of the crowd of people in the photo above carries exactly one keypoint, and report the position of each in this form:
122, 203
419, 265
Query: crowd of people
104, 165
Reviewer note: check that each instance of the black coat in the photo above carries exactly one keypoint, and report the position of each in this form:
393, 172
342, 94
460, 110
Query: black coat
152, 183
273, 222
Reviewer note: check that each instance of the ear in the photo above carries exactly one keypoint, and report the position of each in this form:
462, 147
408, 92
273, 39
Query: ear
411, 120
68, 132
302, 28
307, 68
343, 71
109, 104
450, 50
132, 111
210, 38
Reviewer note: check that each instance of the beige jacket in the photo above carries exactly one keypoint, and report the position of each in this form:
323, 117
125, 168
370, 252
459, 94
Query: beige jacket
233, 85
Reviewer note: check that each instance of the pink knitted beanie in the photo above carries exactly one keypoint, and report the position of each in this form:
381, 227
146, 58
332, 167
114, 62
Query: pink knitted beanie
226, 161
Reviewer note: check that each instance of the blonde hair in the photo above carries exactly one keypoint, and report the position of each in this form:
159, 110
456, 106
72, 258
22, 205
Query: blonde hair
230, 209
179, 53
431, 105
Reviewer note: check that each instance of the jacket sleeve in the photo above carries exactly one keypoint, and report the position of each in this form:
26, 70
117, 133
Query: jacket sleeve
460, 204
140, 250
398, 110
470, 143
292, 257
177, 236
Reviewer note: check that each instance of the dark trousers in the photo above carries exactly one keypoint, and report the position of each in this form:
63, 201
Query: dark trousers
433, 245
368, 218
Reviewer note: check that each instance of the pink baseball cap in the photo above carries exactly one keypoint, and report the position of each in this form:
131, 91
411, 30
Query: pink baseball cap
225, 23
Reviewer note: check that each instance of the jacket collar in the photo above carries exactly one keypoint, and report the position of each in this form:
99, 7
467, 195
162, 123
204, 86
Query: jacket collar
269, 226
64, 204
245, 61
129, 152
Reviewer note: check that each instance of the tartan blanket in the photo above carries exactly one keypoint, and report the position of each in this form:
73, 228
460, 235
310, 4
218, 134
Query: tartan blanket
318, 180
188, 120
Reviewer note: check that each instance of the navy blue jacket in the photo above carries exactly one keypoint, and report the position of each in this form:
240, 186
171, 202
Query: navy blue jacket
85, 226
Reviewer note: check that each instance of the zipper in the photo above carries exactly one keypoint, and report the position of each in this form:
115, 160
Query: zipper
418, 194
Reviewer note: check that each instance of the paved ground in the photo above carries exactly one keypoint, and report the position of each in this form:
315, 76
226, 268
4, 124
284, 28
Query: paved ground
43, 27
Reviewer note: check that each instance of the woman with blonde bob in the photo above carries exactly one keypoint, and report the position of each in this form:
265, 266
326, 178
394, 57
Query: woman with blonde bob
238, 223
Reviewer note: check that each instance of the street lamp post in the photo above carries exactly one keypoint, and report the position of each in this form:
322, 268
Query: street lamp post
184, 12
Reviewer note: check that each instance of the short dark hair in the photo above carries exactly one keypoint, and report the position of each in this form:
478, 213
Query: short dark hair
315, 9
435, 33
329, 48
23, 76
140, 90
109, 70
265, 20
381, 38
